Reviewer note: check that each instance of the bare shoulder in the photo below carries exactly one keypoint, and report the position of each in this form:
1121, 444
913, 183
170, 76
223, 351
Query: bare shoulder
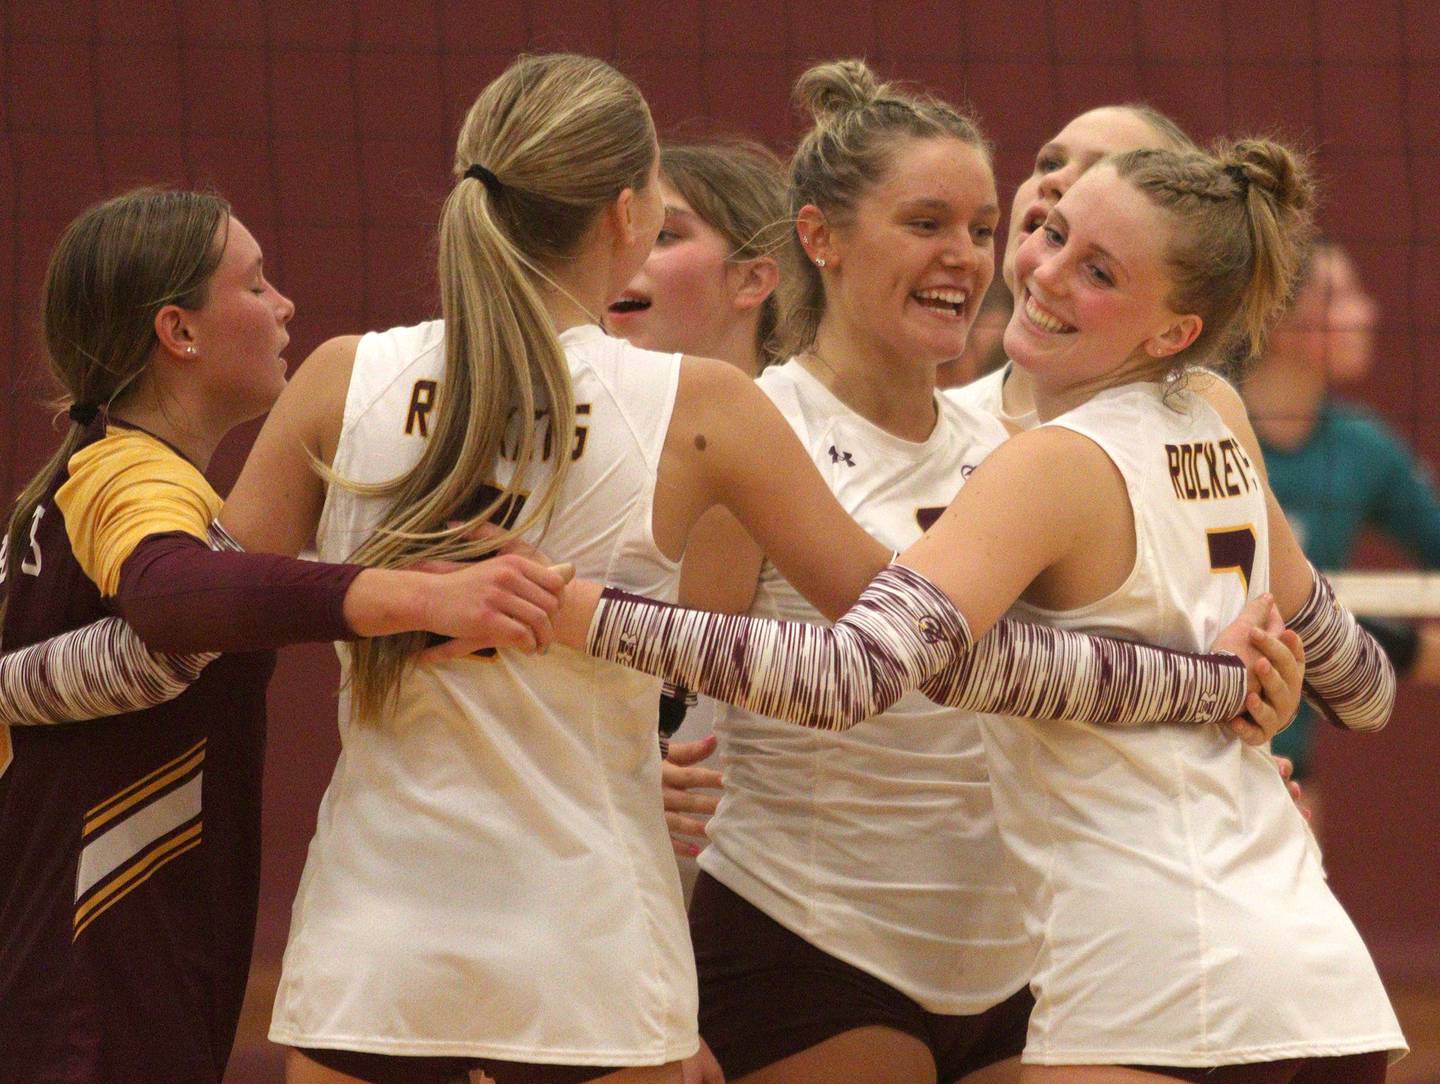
709, 380
328, 364
1050, 472
1228, 403
1219, 393
312, 406
715, 401
1047, 451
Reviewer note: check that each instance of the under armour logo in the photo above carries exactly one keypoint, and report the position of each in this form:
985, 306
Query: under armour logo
841, 457
627, 648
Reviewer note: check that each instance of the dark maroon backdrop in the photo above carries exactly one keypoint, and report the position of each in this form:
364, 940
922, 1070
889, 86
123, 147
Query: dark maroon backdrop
330, 125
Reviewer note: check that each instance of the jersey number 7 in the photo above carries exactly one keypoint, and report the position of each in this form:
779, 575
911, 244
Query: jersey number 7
1232, 549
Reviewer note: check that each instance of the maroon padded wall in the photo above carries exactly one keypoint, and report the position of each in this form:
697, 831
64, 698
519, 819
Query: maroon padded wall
329, 125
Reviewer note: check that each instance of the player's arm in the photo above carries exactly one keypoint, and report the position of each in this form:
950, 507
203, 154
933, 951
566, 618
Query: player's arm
906, 628
1348, 677
275, 504
728, 445
99, 670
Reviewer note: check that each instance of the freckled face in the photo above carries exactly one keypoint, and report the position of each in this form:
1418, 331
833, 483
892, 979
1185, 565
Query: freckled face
909, 270
1092, 284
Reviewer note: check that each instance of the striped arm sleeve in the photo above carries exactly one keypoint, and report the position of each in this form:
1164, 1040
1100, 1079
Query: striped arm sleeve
902, 630
1039, 672
905, 632
1348, 677
96, 671
92, 672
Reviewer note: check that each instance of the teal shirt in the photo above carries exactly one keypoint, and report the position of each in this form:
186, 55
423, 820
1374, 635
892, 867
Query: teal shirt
1353, 472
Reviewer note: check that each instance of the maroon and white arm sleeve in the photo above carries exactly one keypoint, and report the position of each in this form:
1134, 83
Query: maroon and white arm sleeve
185, 596
89, 673
1348, 677
900, 631
905, 633
1039, 672
99, 670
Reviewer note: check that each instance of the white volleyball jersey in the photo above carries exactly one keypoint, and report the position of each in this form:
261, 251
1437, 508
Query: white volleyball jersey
987, 395
877, 845
1173, 891
491, 875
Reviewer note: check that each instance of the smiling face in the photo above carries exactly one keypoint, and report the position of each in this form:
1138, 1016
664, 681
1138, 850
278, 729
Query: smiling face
1091, 307
906, 274
239, 333
682, 300
1061, 162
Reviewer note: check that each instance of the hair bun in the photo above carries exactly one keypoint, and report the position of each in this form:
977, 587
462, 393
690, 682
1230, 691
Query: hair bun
837, 86
1281, 173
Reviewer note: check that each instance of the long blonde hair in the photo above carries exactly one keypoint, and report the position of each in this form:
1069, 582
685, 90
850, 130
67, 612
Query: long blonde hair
556, 139
114, 268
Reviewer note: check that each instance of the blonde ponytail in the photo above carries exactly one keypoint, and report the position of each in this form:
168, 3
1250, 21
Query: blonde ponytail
548, 145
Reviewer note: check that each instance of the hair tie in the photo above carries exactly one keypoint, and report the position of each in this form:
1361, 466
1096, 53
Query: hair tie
84, 413
1239, 176
492, 184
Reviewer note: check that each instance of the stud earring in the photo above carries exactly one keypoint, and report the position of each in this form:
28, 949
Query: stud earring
820, 261
190, 351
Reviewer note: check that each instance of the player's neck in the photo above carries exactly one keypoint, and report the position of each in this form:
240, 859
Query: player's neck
183, 424
1017, 393
737, 346
897, 396
575, 292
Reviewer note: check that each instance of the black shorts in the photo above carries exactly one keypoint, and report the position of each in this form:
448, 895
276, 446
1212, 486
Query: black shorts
389, 1069
767, 993
1347, 1069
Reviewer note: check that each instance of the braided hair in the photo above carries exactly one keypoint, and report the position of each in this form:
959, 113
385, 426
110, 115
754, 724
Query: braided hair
1242, 228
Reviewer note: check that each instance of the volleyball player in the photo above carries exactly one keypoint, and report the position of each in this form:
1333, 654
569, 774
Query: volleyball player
1173, 895
707, 288
1005, 391
552, 243
845, 926
129, 861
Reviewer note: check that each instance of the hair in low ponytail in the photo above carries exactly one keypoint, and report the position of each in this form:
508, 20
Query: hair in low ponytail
114, 268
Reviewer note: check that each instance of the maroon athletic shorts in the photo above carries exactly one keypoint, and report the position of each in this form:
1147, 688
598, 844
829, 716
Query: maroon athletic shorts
767, 993
1351, 1069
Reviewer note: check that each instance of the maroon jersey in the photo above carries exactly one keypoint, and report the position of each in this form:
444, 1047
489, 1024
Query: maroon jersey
129, 857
